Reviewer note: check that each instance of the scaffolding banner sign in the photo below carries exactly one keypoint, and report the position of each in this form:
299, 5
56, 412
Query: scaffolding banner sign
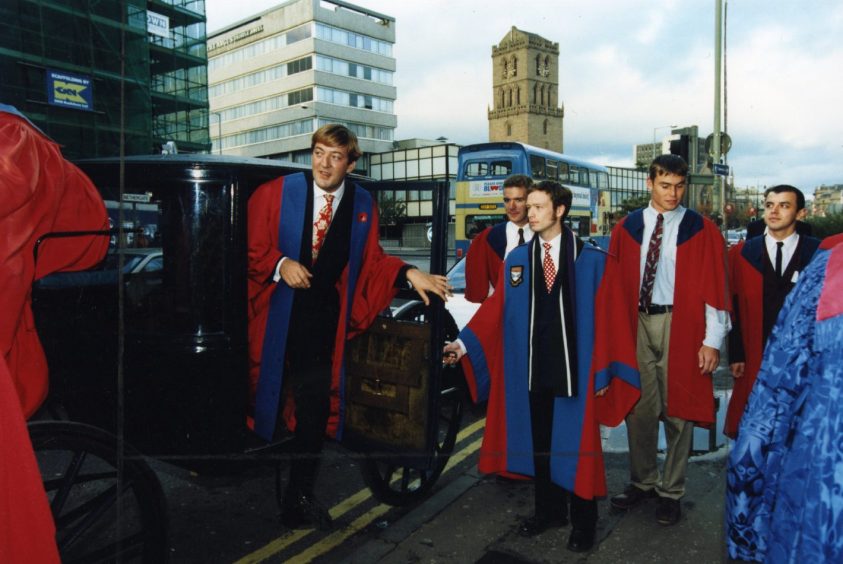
156, 24
70, 90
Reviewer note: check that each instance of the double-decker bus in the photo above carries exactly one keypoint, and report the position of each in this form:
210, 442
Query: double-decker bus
483, 168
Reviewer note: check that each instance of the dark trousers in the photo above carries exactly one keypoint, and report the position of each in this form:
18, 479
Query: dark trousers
551, 499
310, 384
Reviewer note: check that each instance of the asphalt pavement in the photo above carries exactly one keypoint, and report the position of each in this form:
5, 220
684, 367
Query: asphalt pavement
475, 519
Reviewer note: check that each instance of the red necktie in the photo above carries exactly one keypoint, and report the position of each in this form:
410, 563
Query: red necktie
653, 252
320, 226
549, 268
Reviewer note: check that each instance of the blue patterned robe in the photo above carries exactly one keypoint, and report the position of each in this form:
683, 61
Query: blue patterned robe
784, 499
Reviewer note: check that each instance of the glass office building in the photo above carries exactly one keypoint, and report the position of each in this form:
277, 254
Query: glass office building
90, 73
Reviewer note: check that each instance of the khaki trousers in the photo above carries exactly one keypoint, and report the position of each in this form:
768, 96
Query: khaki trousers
643, 421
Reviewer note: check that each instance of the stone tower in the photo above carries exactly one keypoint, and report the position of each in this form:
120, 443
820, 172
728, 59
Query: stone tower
525, 85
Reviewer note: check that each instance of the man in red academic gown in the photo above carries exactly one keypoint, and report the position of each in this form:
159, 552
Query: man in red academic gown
539, 384
489, 248
666, 310
317, 277
40, 193
762, 271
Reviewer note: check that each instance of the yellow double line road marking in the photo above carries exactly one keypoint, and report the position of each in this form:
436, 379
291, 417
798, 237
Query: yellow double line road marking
338, 537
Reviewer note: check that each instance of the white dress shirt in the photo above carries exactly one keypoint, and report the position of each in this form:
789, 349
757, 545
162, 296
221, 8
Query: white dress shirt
512, 236
717, 322
318, 203
788, 249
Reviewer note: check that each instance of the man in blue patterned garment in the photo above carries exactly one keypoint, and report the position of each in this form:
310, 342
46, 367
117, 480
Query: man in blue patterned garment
784, 501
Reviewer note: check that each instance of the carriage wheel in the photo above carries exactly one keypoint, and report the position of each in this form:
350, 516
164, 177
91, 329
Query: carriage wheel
100, 516
402, 485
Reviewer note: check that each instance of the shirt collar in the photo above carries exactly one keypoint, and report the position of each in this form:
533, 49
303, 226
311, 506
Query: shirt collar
319, 193
789, 241
669, 216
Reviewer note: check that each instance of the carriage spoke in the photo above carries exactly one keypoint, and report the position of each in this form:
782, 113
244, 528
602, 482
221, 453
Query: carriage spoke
67, 481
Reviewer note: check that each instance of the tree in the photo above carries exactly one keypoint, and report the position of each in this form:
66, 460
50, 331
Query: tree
826, 226
392, 213
632, 203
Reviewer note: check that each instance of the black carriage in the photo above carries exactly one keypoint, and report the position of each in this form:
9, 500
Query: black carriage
148, 357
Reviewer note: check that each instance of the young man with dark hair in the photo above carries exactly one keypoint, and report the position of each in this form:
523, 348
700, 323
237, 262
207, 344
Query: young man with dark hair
666, 313
490, 247
317, 276
542, 417
762, 271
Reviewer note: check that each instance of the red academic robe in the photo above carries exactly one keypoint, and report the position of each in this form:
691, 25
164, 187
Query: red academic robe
483, 262
496, 366
366, 287
40, 192
746, 284
700, 279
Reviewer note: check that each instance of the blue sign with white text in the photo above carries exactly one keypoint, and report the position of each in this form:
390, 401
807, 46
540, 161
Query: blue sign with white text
70, 90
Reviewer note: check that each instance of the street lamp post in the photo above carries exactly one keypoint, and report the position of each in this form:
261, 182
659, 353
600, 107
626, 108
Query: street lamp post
654, 136
219, 130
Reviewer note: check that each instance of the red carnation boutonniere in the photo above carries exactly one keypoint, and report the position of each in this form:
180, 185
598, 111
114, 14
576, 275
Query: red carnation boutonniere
363, 217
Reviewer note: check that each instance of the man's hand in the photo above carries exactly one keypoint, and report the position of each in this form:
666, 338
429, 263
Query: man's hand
709, 358
452, 353
602, 391
294, 274
738, 369
423, 283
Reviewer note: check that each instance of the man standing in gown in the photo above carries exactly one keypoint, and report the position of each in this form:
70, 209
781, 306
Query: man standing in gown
783, 498
542, 417
490, 247
40, 192
762, 271
317, 277
667, 312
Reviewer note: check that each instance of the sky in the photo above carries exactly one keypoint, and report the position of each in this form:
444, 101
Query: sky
628, 67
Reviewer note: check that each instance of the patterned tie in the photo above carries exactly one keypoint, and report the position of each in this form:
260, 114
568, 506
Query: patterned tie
549, 268
779, 245
653, 252
520, 235
320, 226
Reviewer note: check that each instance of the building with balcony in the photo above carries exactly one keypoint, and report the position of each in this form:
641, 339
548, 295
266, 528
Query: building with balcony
279, 75
61, 66
828, 200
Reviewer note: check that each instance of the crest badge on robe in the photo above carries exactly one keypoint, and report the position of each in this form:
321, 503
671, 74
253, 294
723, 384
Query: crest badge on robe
516, 275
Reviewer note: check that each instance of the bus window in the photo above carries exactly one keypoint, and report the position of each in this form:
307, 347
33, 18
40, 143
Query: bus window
537, 166
563, 172
552, 170
474, 224
482, 169
474, 169
578, 175
501, 168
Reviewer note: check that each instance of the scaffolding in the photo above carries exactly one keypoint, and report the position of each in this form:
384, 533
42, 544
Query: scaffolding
158, 85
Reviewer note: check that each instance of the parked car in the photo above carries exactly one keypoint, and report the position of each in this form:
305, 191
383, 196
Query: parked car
461, 310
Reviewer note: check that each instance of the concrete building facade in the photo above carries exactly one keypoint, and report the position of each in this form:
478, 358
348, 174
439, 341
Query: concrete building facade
276, 77
525, 88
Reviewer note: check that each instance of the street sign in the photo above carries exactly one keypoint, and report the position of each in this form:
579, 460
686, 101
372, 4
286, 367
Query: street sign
725, 145
720, 169
703, 179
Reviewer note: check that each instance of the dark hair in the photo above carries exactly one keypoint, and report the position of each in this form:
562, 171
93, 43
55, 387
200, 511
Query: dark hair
668, 164
559, 195
782, 188
518, 180
336, 135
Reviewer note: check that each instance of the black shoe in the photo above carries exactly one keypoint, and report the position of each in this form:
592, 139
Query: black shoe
302, 511
668, 511
538, 524
581, 540
631, 497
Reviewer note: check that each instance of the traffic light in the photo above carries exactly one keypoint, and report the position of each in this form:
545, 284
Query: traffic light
682, 147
